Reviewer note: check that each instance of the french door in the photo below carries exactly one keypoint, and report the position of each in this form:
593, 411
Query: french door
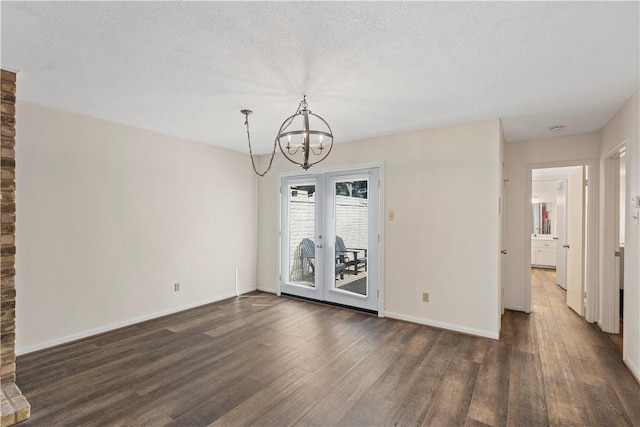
330, 237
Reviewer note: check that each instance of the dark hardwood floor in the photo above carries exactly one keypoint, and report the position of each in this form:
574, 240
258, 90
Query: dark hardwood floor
264, 360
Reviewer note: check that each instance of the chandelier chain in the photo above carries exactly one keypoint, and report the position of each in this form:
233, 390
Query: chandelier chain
303, 104
253, 163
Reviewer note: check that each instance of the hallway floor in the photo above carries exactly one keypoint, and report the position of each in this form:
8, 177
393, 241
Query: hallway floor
577, 368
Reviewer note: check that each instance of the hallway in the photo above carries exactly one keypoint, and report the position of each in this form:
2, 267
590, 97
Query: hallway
573, 370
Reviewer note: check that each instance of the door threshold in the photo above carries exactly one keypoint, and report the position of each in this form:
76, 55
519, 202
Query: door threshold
334, 304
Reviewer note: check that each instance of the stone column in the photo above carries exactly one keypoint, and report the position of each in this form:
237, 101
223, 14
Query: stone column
15, 407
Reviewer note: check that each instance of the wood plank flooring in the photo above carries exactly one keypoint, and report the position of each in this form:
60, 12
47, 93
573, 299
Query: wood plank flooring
264, 360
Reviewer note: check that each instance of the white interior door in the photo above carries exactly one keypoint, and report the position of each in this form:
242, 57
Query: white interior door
503, 245
613, 239
620, 227
574, 244
618, 207
330, 237
561, 221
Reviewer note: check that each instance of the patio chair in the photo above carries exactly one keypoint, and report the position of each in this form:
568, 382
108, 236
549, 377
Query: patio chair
307, 254
350, 256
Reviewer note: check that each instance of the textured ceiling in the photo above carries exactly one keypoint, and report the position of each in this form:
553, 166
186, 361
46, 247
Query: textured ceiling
369, 68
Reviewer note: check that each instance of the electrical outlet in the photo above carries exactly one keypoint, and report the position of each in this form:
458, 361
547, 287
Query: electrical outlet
425, 297
176, 287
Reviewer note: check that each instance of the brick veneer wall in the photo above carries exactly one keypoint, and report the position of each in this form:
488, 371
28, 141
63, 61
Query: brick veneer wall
8, 226
15, 407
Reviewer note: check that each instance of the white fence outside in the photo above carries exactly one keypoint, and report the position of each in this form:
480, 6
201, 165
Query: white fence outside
352, 224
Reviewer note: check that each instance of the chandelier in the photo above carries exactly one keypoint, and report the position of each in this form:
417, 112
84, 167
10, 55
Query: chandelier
304, 138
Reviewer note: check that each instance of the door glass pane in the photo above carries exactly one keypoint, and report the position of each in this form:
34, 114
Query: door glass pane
352, 235
302, 226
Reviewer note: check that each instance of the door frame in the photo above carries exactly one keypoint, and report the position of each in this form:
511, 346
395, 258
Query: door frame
591, 241
381, 209
609, 319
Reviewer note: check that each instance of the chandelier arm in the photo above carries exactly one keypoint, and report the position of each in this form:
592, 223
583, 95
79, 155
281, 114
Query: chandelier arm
317, 153
253, 163
293, 153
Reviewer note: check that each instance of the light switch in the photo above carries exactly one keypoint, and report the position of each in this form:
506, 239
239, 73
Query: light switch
392, 215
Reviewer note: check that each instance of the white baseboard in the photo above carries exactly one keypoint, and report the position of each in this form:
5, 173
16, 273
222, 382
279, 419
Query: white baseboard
268, 290
90, 332
443, 325
632, 368
603, 328
515, 308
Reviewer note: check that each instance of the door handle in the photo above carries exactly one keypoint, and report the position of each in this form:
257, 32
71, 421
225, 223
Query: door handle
565, 246
503, 252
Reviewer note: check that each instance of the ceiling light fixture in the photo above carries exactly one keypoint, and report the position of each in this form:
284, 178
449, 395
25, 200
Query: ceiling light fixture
556, 128
305, 144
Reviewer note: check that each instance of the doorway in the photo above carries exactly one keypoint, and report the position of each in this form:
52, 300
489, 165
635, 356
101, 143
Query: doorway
612, 293
559, 229
330, 227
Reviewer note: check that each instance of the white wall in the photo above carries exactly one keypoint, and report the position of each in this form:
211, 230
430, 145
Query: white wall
110, 216
443, 185
547, 152
625, 126
547, 191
